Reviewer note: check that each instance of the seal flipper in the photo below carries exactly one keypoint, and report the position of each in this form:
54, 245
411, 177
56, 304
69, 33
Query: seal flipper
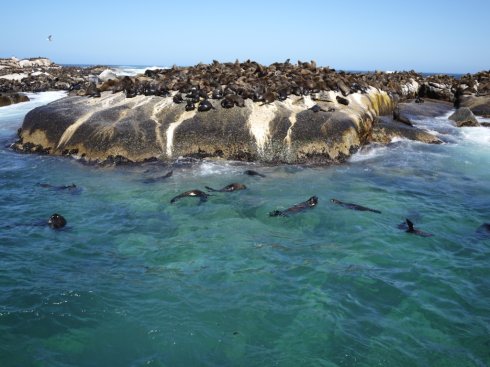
277, 213
211, 189
175, 198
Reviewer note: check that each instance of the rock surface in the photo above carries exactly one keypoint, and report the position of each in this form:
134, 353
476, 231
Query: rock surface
387, 129
479, 105
295, 113
12, 98
148, 127
464, 117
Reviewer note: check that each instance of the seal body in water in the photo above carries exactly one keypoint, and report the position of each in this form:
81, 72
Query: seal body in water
310, 203
192, 193
354, 206
72, 189
62, 187
56, 221
229, 188
253, 173
159, 178
409, 228
483, 231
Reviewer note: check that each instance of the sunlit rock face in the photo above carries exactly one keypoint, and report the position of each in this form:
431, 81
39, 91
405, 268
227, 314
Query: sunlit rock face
149, 127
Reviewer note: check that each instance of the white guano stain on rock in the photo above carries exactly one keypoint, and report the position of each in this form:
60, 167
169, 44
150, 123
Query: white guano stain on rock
258, 122
157, 108
171, 129
68, 133
107, 100
294, 108
308, 102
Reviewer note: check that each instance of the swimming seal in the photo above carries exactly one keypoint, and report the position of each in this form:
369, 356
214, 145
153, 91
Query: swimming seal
159, 178
62, 187
192, 193
229, 188
483, 230
253, 173
56, 221
354, 206
409, 228
310, 203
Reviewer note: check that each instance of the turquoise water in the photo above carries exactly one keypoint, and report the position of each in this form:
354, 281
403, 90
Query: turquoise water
135, 281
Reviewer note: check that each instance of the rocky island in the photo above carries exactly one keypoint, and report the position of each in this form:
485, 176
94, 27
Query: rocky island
281, 113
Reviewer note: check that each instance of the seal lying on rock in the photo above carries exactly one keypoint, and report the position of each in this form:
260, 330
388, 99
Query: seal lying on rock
409, 228
204, 106
316, 108
56, 221
192, 193
354, 206
178, 98
310, 203
229, 188
190, 105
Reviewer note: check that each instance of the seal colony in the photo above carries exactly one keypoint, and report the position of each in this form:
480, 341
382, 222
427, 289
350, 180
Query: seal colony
282, 113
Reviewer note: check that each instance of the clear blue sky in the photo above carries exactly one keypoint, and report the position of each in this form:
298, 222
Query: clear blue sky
429, 35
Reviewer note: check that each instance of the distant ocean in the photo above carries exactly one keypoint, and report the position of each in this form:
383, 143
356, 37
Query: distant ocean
135, 281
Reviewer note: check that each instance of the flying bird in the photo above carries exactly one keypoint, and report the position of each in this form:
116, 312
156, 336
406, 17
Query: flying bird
50, 38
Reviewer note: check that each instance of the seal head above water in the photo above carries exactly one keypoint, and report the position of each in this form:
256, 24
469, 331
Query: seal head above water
56, 221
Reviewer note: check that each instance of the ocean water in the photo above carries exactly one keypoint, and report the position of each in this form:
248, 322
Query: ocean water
135, 281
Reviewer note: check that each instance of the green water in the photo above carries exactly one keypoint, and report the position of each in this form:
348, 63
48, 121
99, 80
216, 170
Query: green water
135, 281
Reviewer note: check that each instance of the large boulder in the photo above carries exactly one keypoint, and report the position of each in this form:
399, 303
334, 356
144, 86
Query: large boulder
464, 117
439, 91
427, 109
12, 98
149, 127
479, 105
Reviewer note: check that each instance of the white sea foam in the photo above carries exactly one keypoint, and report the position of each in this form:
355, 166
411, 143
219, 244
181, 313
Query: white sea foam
215, 168
477, 135
369, 152
258, 122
